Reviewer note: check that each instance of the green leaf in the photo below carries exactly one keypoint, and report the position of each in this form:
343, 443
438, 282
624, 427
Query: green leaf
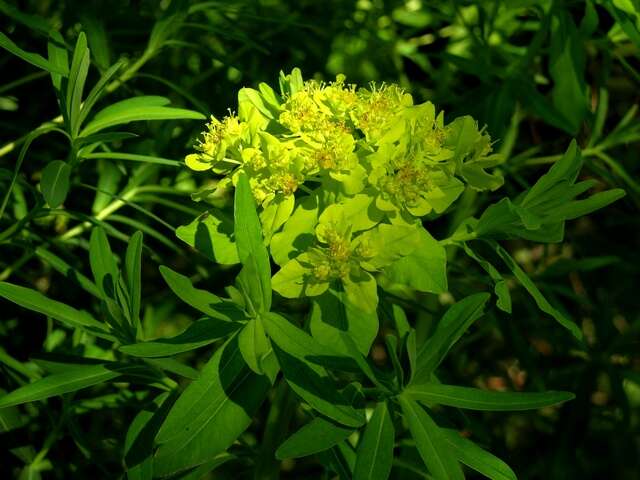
33, 22
11, 419
201, 300
96, 92
59, 57
137, 109
256, 274
77, 77
457, 319
67, 271
580, 208
132, 157
425, 269
361, 291
430, 442
539, 214
470, 144
539, 105
626, 22
301, 345
69, 316
174, 366
202, 471
32, 58
358, 212
564, 171
332, 316
316, 436
501, 288
388, 243
291, 281
211, 413
55, 182
254, 287
311, 382
253, 344
297, 234
211, 235
375, 450
108, 183
138, 443
133, 268
475, 457
97, 38
274, 215
255, 98
198, 334
542, 303
103, 263
476, 399
28, 140
75, 378
566, 67
339, 459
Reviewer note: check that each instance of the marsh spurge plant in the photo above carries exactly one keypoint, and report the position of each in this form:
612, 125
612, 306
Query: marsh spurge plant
336, 187
343, 178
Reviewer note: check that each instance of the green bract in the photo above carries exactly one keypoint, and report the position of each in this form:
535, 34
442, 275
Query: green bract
343, 177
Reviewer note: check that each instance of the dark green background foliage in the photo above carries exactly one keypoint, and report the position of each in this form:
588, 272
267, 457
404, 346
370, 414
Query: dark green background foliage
82, 288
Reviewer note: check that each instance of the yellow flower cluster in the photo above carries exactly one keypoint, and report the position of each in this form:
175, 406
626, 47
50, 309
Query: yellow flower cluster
334, 254
361, 138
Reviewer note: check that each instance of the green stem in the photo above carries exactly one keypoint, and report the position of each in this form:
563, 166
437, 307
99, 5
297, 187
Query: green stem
104, 213
275, 431
587, 152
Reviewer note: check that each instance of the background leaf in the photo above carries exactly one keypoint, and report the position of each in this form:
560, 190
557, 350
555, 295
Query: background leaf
55, 182
211, 413
316, 436
375, 450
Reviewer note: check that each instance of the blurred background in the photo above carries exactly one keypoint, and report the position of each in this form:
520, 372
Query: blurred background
537, 73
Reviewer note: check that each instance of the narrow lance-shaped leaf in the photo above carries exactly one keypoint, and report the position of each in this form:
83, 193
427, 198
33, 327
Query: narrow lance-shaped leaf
211, 413
103, 263
256, 273
75, 378
452, 325
475, 457
133, 267
541, 301
69, 316
138, 443
198, 334
59, 57
96, 92
32, 58
67, 270
476, 399
316, 436
77, 78
137, 109
311, 382
375, 450
501, 288
302, 345
436, 455
201, 300
254, 344
132, 157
